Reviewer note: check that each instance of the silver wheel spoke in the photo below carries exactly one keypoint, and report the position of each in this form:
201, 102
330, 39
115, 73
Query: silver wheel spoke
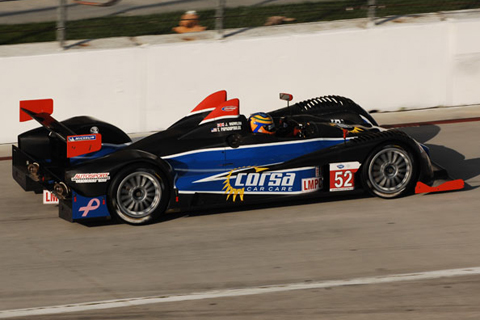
139, 194
382, 182
390, 170
390, 157
395, 158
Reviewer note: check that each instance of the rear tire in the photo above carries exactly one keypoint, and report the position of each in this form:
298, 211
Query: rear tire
390, 172
138, 194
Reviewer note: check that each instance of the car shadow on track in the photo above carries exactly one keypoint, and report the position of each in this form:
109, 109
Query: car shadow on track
205, 210
453, 161
273, 203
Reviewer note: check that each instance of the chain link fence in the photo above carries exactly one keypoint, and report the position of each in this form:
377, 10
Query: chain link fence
23, 21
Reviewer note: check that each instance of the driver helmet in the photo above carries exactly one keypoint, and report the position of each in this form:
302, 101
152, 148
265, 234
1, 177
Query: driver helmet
261, 122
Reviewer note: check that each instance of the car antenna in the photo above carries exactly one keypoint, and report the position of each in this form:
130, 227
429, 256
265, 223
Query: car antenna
287, 97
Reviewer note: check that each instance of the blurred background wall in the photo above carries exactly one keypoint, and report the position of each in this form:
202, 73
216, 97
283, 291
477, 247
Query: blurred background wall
383, 63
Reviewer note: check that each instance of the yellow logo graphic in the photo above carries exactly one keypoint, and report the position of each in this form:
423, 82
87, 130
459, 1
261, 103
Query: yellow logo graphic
234, 192
347, 127
357, 130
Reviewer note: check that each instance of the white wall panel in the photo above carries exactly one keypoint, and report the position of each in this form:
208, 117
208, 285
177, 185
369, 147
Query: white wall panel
149, 87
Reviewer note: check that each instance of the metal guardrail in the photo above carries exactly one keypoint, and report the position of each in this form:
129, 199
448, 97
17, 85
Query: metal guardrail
39, 20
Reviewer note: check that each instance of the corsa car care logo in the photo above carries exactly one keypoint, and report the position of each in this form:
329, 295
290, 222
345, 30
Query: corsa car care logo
267, 181
258, 181
231, 191
91, 177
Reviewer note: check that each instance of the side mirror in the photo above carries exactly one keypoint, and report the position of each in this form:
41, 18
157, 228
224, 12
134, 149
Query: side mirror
286, 96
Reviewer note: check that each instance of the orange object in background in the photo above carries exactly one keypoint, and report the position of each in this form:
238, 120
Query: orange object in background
97, 4
189, 23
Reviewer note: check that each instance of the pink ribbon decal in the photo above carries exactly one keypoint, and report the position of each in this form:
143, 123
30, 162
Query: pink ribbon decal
92, 205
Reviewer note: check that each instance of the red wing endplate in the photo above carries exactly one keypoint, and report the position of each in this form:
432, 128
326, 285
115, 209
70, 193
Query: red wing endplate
41, 110
211, 102
35, 106
228, 109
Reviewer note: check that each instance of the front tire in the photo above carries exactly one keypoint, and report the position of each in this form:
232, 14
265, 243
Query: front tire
138, 194
390, 172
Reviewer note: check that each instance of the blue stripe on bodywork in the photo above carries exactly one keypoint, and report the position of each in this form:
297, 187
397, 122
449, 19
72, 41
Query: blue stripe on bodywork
193, 166
274, 152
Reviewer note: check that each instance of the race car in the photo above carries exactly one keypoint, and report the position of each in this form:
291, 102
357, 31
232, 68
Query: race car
216, 155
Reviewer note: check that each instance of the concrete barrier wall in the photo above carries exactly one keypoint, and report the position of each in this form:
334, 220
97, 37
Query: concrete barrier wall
147, 88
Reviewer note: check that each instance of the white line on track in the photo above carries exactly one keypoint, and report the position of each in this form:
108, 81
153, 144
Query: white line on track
109, 304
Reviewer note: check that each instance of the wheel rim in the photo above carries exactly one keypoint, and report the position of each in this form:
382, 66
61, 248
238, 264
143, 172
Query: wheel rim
390, 170
139, 194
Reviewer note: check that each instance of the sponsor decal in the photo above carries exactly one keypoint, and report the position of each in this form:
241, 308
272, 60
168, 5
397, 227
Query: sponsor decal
238, 182
348, 128
258, 182
268, 181
49, 198
87, 208
228, 126
229, 108
91, 177
82, 138
357, 130
92, 205
342, 176
231, 191
310, 184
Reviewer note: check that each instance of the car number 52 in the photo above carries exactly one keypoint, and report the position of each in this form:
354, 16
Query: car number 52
342, 175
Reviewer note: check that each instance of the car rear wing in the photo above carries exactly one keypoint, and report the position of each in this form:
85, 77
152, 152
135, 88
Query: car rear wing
41, 111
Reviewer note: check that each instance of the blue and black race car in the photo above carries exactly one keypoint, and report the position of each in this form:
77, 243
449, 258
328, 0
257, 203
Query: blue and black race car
216, 155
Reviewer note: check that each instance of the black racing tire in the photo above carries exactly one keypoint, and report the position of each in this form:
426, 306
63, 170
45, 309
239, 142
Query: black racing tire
138, 194
390, 171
